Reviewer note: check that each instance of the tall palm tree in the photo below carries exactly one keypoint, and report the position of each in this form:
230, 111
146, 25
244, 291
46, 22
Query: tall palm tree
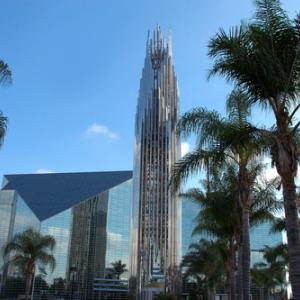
217, 143
263, 57
28, 251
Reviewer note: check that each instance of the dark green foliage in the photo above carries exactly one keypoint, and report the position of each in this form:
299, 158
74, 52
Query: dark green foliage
263, 56
272, 273
13, 287
59, 287
118, 268
206, 262
5, 78
165, 297
5, 73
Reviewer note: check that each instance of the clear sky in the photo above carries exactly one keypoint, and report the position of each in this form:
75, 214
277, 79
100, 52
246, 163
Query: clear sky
76, 68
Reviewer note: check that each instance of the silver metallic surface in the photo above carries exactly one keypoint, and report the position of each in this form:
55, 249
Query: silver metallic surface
156, 219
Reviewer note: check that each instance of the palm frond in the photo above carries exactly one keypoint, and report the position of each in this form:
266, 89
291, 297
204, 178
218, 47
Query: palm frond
203, 123
3, 127
278, 225
5, 73
262, 57
238, 106
190, 164
270, 15
46, 259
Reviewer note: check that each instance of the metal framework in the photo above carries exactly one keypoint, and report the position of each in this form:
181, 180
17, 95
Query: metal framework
156, 217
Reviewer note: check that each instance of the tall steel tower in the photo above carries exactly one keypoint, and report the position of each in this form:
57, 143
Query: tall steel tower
156, 216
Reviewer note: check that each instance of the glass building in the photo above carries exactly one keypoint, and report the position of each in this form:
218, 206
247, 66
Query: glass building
88, 214
155, 212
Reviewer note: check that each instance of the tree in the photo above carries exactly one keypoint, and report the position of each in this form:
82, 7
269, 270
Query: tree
5, 73
5, 78
219, 141
263, 58
260, 279
205, 262
220, 215
219, 218
13, 287
118, 268
41, 286
29, 250
165, 297
272, 273
58, 287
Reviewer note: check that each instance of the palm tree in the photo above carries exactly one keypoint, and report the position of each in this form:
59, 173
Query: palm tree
29, 250
165, 297
205, 261
261, 279
5, 73
5, 78
219, 141
277, 258
272, 273
118, 268
263, 58
220, 214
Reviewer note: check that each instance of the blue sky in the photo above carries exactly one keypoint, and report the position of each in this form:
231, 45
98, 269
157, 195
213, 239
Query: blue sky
76, 68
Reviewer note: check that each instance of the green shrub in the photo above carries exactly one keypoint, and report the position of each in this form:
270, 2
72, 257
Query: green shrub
165, 297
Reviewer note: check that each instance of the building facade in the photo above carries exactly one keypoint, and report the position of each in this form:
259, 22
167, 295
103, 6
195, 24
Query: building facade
88, 214
155, 224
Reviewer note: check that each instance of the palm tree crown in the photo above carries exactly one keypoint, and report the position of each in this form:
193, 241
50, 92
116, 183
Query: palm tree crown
5, 73
263, 58
29, 250
118, 268
5, 78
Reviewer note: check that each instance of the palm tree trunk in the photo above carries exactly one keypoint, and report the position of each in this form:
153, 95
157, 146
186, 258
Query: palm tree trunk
246, 254
240, 274
293, 232
28, 285
282, 294
232, 286
211, 294
245, 202
231, 271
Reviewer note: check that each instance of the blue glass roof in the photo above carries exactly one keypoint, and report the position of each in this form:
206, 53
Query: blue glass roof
50, 194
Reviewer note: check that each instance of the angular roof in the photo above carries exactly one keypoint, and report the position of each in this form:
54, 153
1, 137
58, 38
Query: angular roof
50, 194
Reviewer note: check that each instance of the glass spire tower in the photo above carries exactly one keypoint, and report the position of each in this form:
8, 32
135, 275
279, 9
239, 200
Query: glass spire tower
156, 218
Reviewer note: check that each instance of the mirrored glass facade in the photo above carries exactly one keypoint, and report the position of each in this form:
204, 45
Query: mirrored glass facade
190, 211
92, 241
155, 212
260, 237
